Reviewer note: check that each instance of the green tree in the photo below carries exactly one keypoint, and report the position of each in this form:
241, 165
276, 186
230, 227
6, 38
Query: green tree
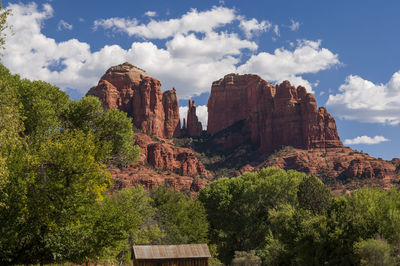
182, 218
83, 114
50, 190
3, 24
43, 105
313, 195
116, 128
238, 208
11, 125
112, 226
374, 252
113, 129
296, 236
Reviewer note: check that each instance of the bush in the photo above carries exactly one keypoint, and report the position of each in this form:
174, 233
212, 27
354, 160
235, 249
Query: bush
243, 258
374, 252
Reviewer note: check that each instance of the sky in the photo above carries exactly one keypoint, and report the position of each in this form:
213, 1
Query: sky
345, 52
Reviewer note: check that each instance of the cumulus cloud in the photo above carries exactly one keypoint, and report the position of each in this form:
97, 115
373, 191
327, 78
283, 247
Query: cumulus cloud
193, 55
213, 45
365, 101
295, 25
63, 25
252, 26
150, 13
283, 64
32, 55
193, 20
365, 140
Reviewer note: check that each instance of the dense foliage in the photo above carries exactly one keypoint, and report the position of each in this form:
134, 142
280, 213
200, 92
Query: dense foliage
53, 173
288, 218
182, 218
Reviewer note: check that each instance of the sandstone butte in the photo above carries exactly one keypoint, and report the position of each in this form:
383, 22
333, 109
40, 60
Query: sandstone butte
273, 115
241, 109
131, 89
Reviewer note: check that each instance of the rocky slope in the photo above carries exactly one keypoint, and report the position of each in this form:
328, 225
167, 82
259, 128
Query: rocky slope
161, 162
342, 169
251, 124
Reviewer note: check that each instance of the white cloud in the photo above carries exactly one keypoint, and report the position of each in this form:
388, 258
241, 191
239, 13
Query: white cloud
362, 100
203, 22
150, 13
307, 57
295, 25
252, 26
190, 62
63, 25
31, 54
276, 30
201, 112
183, 110
213, 45
365, 140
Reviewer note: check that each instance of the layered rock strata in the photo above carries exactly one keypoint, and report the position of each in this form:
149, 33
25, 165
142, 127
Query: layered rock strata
132, 90
272, 116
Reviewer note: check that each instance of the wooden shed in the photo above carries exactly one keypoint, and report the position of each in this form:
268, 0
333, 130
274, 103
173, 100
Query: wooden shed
171, 255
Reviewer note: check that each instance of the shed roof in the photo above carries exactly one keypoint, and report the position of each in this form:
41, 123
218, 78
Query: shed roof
171, 251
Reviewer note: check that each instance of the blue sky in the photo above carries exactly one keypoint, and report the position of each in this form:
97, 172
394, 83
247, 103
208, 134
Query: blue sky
346, 52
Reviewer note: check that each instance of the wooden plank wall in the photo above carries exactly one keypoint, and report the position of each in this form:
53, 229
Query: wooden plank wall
172, 262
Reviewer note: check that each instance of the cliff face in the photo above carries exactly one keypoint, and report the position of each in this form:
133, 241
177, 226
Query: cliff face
272, 116
172, 123
132, 90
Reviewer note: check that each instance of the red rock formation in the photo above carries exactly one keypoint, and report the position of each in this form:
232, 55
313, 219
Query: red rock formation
242, 109
162, 163
132, 90
148, 177
194, 127
172, 124
340, 168
164, 155
271, 116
